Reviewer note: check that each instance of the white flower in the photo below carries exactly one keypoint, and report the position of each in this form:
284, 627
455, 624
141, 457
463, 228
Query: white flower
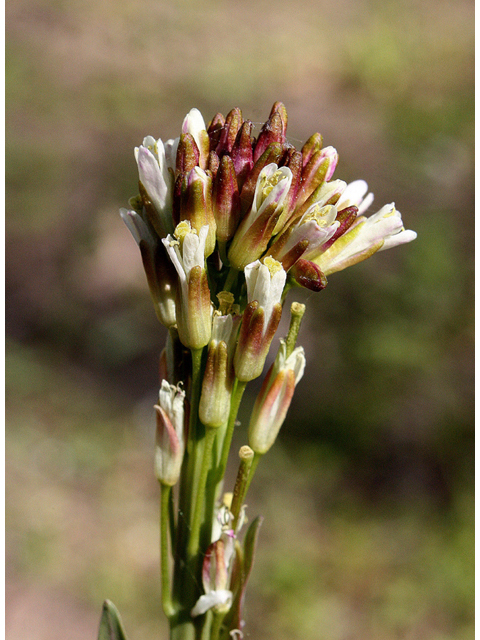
170, 439
354, 194
193, 306
382, 230
187, 252
157, 181
275, 397
265, 283
194, 124
219, 598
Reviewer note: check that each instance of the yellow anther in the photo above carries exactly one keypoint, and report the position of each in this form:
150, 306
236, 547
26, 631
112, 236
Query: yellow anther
272, 265
182, 229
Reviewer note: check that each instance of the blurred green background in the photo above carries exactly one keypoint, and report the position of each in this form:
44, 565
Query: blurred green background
368, 494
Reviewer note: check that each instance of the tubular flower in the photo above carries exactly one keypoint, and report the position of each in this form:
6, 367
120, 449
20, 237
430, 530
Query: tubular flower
382, 230
219, 376
156, 184
193, 306
160, 273
256, 229
265, 283
215, 580
274, 399
170, 439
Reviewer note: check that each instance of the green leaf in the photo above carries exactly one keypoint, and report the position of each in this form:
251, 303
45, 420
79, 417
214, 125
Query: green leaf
111, 627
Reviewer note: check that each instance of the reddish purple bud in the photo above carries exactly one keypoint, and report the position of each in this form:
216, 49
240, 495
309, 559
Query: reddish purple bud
279, 107
242, 153
226, 200
215, 130
311, 146
188, 154
272, 131
213, 163
307, 274
232, 125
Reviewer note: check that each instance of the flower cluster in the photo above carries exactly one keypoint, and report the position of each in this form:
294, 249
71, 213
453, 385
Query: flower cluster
226, 224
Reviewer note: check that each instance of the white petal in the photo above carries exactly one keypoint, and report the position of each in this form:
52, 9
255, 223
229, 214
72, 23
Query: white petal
209, 600
399, 238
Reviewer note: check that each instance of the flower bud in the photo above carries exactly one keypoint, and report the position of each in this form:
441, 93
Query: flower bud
265, 283
170, 437
233, 122
274, 398
226, 200
308, 275
272, 131
318, 169
196, 205
242, 154
188, 154
215, 129
218, 377
194, 124
192, 304
311, 146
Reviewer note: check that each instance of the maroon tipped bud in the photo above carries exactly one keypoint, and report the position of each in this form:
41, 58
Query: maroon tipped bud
215, 130
213, 163
272, 154
188, 154
226, 200
242, 153
307, 274
272, 131
233, 122
294, 163
311, 146
177, 198
279, 108
318, 169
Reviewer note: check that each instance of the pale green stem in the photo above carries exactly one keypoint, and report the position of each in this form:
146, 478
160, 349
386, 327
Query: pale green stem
231, 279
217, 625
207, 626
253, 468
197, 518
165, 492
237, 393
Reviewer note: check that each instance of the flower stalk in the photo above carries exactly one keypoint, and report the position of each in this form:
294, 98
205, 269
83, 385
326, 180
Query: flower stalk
227, 224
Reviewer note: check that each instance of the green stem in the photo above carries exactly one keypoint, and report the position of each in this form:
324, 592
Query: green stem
207, 626
197, 518
253, 468
165, 492
217, 625
237, 394
231, 279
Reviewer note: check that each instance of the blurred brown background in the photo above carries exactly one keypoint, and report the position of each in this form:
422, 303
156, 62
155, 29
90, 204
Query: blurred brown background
368, 495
